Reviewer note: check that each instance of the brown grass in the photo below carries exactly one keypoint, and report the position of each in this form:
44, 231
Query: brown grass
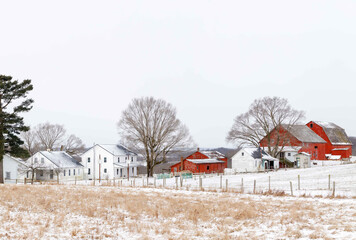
81, 212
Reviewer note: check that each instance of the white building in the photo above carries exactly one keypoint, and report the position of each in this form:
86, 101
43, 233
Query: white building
109, 161
302, 160
11, 168
48, 165
253, 160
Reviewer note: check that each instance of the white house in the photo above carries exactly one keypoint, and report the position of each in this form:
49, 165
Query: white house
11, 168
109, 161
48, 165
253, 160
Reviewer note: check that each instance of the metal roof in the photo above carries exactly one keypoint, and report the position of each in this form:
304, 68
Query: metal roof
204, 161
304, 134
61, 159
336, 134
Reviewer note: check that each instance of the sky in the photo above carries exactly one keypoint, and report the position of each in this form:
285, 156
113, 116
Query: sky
210, 59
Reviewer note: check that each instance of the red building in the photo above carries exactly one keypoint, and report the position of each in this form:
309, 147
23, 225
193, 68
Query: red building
322, 140
202, 162
337, 141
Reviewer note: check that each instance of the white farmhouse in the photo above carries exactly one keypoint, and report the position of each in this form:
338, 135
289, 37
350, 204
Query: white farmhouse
11, 168
109, 161
48, 165
253, 160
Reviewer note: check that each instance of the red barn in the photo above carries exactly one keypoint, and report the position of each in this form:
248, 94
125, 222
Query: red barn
298, 136
202, 162
337, 141
322, 140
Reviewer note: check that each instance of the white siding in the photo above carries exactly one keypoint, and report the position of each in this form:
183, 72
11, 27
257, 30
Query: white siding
244, 162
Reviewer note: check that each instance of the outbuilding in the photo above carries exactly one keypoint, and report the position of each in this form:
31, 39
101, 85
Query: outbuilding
12, 169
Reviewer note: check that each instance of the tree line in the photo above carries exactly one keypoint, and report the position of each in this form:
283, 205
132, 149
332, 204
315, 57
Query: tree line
148, 126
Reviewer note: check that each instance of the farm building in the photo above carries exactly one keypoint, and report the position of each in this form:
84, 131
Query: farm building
50, 165
253, 160
12, 168
108, 161
322, 140
337, 141
202, 162
302, 160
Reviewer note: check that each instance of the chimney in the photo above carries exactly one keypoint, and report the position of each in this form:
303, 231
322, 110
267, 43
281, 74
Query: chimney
198, 149
48, 149
181, 164
62, 147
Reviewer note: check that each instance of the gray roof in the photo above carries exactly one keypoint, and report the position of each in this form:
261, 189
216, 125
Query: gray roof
204, 161
336, 134
61, 159
213, 154
258, 153
117, 149
304, 134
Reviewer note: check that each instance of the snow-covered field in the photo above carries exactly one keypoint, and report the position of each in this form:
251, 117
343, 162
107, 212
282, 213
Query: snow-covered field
99, 212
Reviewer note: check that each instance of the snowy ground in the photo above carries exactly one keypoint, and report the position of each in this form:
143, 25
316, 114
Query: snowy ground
313, 181
99, 212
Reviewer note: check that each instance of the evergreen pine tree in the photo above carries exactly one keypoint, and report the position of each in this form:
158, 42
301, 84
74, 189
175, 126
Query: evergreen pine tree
11, 124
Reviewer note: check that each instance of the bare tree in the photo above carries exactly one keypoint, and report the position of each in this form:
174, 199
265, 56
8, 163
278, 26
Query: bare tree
50, 135
31, 143
74, 145
31, 166
151, 127
263, 116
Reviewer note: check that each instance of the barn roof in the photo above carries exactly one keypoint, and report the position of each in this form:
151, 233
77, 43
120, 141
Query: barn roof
61, 159
304, 134
117, 149
213, 154
335, 133
204, 161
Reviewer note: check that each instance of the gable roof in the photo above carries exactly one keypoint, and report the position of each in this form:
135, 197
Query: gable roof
335, 133
257, 153
61, 159
117, 149
304, 134
18, 160
204, 161
213, 154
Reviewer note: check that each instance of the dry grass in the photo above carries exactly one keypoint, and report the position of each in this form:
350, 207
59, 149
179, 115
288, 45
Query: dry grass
81, 212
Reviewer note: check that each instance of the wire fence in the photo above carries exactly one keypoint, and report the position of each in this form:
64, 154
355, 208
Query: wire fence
262, 184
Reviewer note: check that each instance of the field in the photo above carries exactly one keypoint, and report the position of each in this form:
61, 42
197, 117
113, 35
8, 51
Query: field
106, 212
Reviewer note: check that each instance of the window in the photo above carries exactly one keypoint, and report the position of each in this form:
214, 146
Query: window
64, 173
42, 160
289, 154
69, 172
104, 159
105, 170
197, 167
117, 171
132, 171
41, 173
242, 154
125, 158
120, 172
74, 172
8, 175
207, 167
88, 159
27, 175
131, 159
118, 159
36, 160
89, 171
311, 125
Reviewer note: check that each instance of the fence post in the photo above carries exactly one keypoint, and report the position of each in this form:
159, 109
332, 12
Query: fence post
329, 186
120, 183
143, 181
114, 182
298, 182
200, 183
242, 185
58, 178
254, 186
291, 188
227, 185
164, 182
134, 183
176, 182
220, 181
269, 183
24, 180
154, 182
75, 181
181, 181
333, 188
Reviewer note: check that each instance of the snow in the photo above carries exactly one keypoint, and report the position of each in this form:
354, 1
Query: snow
61, 159
202, 161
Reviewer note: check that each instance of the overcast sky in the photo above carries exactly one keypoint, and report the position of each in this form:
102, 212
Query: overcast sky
210, 59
